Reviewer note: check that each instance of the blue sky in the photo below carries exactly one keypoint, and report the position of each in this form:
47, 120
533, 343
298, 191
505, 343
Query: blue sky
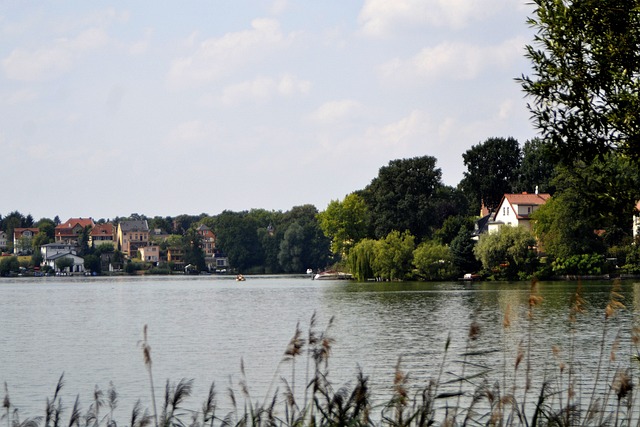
164, 108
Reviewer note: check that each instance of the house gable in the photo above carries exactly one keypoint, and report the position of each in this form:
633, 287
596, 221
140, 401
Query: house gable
516, 210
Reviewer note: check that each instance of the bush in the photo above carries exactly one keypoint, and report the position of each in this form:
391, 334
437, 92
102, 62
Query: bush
585, 264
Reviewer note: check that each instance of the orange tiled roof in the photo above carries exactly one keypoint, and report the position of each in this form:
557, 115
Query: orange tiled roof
527, 199
103, 229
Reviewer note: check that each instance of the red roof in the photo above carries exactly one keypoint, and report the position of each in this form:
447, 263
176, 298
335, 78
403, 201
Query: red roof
17, 232
527, 199
105, 229
66, 228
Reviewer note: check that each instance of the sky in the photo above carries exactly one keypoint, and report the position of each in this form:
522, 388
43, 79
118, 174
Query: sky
169, 108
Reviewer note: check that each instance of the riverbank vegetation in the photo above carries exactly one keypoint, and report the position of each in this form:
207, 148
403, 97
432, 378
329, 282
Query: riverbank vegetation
407, 224
528, 386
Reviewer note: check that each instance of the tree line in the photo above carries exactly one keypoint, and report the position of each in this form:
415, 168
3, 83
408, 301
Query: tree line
584, 98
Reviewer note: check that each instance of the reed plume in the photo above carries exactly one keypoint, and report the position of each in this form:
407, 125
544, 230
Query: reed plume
146, 356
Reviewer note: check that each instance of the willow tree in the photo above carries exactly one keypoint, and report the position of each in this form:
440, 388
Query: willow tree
585, 80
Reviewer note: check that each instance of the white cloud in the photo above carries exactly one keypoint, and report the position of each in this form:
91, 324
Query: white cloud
192, 134
336, 111
217, 57
380, 18
402, 132
263, 88
50, 61
278, 6
139, 47
20, 96
460, 61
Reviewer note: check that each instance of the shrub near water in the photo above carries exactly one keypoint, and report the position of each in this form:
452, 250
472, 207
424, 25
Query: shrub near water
472, 394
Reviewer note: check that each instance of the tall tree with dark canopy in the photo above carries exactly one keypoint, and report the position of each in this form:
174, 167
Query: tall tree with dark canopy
492, 168
585, 82
537, 168
401, 196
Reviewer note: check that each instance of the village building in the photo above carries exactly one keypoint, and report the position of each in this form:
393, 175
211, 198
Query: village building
69, 232
101, 234
131, 236
516, 209
150, 253
22, 238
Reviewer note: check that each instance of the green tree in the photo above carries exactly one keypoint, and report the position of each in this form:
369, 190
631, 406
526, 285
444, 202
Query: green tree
462, 252
344, 223
585, 83
64, 263
8, 265
362, 258
291, 249
394, 255
38, 240
508, 251
433, 261
47, 227
492, 168
451, 228
192, 248
92, 263
237, 237
36, 258
592, 207
537, 168
401, 196
314, 244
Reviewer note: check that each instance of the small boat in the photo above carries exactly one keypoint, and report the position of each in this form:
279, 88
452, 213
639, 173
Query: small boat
240, 278
333, 275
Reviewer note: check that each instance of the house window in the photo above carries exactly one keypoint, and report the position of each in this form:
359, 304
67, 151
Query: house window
507, 211
504, 211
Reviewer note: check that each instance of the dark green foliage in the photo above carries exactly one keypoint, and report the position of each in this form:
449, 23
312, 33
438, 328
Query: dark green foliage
402, 197
585, 81
586, 264
452, 226
291, 249
92, 263
592, 207
62, 264
508, 253
8, 265
462, 254
237, 237
537, 168
492, 168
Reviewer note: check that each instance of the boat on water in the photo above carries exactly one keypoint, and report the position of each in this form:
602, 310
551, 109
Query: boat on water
240, 278
333, 275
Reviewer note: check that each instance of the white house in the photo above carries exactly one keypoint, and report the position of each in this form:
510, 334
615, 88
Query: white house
516, 210
51, 249
150, 253
77, 267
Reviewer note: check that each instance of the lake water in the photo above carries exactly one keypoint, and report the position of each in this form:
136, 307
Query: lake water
203, 327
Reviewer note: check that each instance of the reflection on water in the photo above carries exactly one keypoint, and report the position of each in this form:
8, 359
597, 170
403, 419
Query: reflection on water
203, 327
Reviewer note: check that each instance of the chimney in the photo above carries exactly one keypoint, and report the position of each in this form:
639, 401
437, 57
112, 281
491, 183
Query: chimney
536, 189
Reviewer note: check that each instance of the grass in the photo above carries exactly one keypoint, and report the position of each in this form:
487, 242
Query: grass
561, 395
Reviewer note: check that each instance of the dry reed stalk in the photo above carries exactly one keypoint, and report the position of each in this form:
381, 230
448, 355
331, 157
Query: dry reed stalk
146, 354
595, 408
577, 308
6, 404
534, 300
